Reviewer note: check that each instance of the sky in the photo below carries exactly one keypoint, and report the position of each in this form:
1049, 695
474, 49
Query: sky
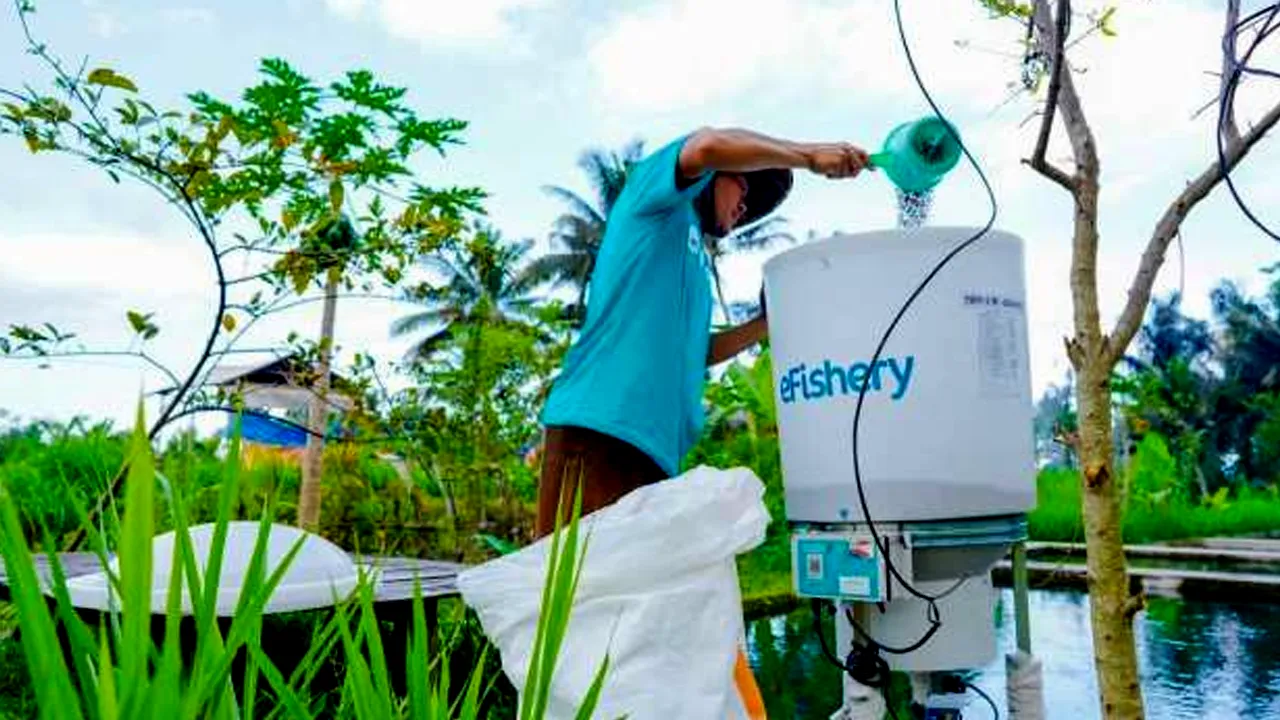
539, 81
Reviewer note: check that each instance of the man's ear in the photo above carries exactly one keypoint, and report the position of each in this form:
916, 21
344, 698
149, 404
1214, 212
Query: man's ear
705, 207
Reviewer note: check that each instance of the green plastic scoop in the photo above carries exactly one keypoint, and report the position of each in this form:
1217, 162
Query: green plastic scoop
918, 154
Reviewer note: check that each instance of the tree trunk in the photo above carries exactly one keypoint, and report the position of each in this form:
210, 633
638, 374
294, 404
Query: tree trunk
317, 412
1093, 357
1094, 354
1112, 607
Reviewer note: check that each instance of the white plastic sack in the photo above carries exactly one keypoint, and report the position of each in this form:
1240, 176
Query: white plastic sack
659, 592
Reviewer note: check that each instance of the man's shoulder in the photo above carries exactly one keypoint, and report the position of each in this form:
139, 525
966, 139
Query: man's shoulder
654, 183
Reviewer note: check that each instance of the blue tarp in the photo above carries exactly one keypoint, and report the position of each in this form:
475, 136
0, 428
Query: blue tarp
269, 431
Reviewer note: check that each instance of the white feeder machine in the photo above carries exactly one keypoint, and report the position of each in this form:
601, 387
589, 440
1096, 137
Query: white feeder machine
945, 446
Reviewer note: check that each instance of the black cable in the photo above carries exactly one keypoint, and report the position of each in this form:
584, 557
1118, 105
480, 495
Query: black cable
866, 380
935, 620
1226, 103
864, 663
995, 711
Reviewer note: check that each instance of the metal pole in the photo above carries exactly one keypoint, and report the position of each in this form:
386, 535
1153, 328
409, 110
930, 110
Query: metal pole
1021, 607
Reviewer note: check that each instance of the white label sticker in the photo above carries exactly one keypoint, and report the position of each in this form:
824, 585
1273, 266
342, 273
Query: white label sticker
814, 566
855, 586
1000, 352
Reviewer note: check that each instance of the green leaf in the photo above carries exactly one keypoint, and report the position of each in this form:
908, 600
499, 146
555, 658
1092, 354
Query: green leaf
1104, 22
138, 320
109, 77
497, 544
335, 195
228, 322
135, 563
142, 324
592, 698
40, 642
26, 334
108, 703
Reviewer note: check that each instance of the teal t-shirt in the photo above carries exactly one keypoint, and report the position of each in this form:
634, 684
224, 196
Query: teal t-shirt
636, 371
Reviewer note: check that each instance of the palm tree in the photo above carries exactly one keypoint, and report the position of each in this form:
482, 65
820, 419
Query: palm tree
579, 232
484, 283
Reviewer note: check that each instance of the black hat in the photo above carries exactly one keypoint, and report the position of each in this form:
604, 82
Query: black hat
766, 189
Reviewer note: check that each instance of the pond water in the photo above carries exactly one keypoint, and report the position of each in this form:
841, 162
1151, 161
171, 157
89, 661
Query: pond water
1201, 660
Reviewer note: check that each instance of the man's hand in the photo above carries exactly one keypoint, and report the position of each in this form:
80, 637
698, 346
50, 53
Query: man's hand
836, 160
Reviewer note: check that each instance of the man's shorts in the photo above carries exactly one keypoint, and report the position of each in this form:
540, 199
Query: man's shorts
608, 467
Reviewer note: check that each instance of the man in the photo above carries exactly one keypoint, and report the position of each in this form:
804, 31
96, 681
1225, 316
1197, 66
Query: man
627, 405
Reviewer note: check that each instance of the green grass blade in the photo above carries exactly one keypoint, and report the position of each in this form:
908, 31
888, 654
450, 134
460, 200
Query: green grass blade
471, 703
417, 663
592, 698
247, 622
359, 683
377, 657
286, 698
108, 705
562, 583
318, 652
534, 686
53, 690
227, 495
247, 619
135, 569
251, 672
83, 646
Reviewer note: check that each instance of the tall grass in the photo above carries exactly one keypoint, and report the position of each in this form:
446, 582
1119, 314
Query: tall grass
119, 670
1057, 516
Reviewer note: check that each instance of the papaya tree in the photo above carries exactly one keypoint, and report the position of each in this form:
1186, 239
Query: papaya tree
1093, 351
311, 181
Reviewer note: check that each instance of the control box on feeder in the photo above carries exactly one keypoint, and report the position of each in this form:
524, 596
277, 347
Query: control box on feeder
839, 566
946, 426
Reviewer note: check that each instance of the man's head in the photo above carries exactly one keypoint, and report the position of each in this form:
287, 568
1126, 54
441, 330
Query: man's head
734, 200
730, 200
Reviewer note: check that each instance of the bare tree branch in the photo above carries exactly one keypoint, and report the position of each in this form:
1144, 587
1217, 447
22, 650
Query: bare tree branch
1083, 144
101, 353
1229, 58
1167, 228
1052, 172
1084, 256
249, 278
1057, 41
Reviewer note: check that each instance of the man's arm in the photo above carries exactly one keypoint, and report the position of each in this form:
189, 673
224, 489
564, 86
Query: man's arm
726, 344
738, 150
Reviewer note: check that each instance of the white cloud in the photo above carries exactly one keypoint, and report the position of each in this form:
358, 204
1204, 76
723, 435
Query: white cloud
683, 53
108, 262
345, 8
190, 16
435, 22
105, 25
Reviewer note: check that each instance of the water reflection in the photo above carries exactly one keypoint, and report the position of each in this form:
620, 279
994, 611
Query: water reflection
1199, 660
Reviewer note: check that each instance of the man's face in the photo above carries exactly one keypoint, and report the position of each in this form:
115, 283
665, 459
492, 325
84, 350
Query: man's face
730, 200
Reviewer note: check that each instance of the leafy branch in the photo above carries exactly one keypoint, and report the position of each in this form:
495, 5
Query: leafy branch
314, 169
